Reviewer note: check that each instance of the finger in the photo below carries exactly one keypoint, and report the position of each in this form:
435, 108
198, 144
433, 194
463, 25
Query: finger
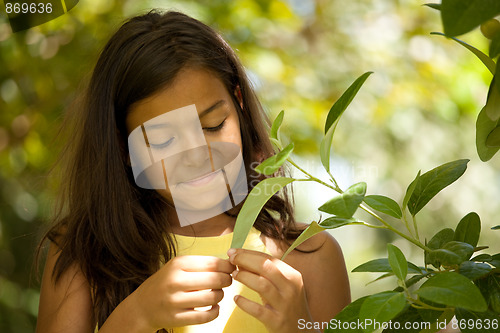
260, 264
199, 298
263, 313
266, 289
204, 264
195, 317
191, 281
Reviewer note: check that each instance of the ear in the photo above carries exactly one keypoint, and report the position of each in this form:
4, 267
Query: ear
239, 96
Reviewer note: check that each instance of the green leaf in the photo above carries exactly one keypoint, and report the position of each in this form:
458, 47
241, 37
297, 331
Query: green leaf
476, 322
254, 202
487, 61
497, 227
442, 321
276, 125
494, 292
334, 115
463, 250
384, 204
273, 163
346, 204
335, 222
451, 253
493, 139
414, 279
437, 241
383, 276
468, 229
495, 46
348, 315
382, 265
313, 229
474, 270
410, 189
381, 307
436, 6
397, 261
433, 181
454, 290
440, 238
343, 102
487, 120
461, 16
443, 257
482, 258
410, 315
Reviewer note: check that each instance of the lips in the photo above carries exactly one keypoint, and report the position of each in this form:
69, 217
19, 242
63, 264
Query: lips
202, 180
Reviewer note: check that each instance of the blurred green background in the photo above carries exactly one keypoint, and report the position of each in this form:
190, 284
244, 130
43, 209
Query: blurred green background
416, 112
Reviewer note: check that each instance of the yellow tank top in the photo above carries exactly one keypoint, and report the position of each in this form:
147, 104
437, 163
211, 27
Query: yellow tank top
231, 318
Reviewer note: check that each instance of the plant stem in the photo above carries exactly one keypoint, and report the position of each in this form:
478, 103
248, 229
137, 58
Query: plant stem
423, 305
369, 211
405, 220
335, 188
415, 226
390, 227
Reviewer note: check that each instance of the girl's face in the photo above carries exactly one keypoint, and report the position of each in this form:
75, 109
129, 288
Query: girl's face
189, 152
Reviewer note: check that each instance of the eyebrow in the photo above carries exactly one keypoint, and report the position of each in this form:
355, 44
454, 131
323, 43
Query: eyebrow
211, 108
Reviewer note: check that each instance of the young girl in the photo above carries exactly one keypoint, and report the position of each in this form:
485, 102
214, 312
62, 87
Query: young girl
119, 259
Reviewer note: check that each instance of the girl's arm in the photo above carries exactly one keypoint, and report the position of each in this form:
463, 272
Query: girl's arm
65, 306
166, 299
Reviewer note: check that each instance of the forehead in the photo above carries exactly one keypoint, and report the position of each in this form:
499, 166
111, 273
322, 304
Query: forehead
191, 86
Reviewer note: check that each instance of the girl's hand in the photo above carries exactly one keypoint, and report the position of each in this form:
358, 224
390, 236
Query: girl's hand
169, 297
279, 285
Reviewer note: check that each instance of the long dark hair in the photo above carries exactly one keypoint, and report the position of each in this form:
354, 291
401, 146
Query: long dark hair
117, 233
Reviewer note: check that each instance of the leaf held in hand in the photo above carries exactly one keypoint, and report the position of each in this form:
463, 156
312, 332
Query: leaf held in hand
254, 202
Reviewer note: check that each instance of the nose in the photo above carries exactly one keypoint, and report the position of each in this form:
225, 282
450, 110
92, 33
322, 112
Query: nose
196, 157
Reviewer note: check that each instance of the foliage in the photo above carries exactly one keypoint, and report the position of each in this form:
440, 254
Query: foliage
452, 282
460, 17
299, 54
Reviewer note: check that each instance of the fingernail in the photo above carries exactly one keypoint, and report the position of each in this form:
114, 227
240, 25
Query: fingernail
236, 297
230, 252
234, 273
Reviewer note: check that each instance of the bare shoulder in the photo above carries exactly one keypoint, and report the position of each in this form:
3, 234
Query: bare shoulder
321, 248
318, 246
65, 305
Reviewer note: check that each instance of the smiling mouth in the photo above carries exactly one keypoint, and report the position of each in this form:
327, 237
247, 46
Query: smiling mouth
202, 179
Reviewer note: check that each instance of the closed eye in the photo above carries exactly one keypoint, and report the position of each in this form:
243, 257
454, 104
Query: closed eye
216, 128
162, 145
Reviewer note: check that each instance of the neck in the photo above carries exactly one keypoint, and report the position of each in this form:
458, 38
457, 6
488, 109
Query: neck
215, 226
